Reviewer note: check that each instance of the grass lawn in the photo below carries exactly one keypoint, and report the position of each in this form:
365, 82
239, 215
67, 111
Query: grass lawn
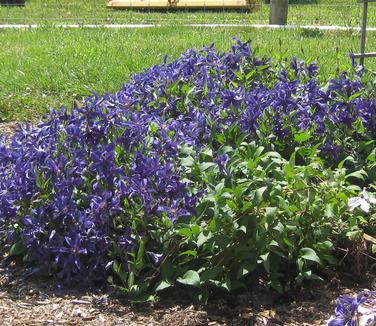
47, 67
54, 66
342, 12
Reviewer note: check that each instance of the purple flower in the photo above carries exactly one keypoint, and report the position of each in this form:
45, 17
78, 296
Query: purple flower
347, 310
154, 257
221, 160
232, 98
330, 150
174, 210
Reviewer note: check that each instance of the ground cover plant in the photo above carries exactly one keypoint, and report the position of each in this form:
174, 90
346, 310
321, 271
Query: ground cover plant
210, 172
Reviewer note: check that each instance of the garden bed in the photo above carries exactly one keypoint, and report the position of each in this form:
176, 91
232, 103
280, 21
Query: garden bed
216, 175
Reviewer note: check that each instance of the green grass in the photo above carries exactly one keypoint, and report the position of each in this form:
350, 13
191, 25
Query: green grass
50, 67
342, 12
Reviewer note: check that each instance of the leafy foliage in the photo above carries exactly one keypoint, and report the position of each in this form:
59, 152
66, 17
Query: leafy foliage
207, 172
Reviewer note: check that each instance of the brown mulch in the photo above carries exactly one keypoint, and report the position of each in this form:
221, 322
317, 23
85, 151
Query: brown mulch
8, 128
36, 301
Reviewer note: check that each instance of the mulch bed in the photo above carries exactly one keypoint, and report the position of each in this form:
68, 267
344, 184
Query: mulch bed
36, 301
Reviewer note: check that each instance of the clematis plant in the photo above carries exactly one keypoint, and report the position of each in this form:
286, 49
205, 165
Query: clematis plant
167, 180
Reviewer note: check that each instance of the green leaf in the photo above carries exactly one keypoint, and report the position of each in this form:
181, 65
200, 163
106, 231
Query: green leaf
245, 269
361, 174
188, 150
17, 249
276, 285
289, 171
233, 285
309, 254
168, 271
190, 278
185, 232
373, 248
116, 266
355, 95
262, 67
131, 279
140, 254
270, 213
258, 151
372, 157
187, 161
221, 139
162, 285
192, 253
265, 259
302, 137
202, 238
325, 245
39, 179
292, 160
342, 196
250, 75
288, 242
220, 186
141, 297
258, 195
238, 74
354, 235
207, 165
195, 229
348, 158
199, 296
207, 152
300, 263
307, 275
210, 274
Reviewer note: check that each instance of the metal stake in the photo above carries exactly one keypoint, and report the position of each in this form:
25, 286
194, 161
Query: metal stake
364, 30
362, 53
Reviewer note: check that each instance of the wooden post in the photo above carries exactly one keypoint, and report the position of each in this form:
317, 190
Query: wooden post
278, 12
